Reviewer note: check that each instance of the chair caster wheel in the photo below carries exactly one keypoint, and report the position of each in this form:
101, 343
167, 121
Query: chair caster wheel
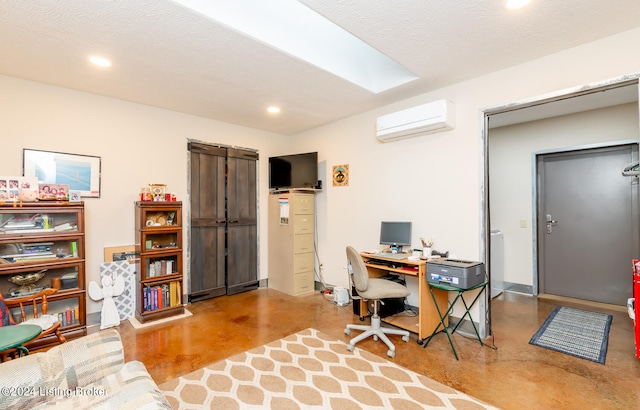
391, 353
420, 342
375, 338
405, 338
347, 331
350, 348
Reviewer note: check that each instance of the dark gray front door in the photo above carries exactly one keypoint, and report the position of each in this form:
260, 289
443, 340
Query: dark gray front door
587, 233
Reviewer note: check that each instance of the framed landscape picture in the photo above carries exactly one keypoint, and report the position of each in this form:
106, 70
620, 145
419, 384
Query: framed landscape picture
80, 172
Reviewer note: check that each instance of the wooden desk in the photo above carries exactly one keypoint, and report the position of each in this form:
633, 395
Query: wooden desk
427, 318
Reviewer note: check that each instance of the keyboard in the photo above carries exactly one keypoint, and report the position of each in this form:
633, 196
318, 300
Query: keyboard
394, 256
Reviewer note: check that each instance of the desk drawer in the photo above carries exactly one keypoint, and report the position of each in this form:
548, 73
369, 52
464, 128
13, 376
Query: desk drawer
302, 224
303, 283
303, 243
303, 262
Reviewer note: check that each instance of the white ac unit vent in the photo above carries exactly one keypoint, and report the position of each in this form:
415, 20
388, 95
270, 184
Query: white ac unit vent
424, 119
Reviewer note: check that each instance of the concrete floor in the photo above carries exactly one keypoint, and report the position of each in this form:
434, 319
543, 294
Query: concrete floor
511, 375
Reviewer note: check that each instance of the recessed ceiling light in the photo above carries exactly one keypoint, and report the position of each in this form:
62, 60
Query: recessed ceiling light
297, 30
100, 61
516, 4
273, 110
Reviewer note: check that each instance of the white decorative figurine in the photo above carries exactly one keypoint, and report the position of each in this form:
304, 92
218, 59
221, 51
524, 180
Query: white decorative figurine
110, 289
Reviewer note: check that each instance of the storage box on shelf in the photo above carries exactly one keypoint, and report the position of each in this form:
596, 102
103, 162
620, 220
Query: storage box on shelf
159, 283
42, 246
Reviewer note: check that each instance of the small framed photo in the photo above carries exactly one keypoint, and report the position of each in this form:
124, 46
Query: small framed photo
53, 192
18, 188
74, 196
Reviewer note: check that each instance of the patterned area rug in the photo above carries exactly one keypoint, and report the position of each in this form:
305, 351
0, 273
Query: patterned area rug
575, 332
310, 370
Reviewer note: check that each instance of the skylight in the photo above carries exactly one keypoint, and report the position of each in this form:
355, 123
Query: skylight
295, 29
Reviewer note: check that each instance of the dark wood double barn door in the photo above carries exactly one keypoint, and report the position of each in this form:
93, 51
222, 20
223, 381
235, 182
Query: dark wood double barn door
224, 233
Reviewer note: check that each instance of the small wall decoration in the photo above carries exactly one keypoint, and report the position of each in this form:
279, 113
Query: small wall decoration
341, 175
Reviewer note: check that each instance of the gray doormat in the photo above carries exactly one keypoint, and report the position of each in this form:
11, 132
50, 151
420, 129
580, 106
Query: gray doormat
575, 332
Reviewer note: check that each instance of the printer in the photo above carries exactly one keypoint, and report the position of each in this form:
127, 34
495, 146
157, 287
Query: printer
458, 273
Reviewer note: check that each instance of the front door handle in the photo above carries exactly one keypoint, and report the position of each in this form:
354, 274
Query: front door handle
550, 223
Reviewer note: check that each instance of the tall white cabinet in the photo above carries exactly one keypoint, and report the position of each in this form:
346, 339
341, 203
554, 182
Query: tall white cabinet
291, 242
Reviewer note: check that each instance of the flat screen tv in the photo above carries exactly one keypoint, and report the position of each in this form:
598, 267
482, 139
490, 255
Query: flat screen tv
293, 171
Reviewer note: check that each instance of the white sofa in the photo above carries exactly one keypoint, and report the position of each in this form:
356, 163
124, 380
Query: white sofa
84, 373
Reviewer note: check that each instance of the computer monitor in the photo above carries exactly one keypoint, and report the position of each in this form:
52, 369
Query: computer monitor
395, 234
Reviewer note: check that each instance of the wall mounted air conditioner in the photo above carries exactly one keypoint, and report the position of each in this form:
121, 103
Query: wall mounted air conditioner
424, 119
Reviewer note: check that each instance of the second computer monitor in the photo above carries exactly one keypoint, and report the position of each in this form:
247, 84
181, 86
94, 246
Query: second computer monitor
395, 234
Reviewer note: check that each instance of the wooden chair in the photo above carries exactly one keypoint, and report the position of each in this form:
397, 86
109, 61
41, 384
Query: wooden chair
34, 300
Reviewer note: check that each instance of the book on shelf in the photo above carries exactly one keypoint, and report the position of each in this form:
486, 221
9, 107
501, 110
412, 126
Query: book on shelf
28, 257
161, 296
165, 296
67, 226
174, 295
160, 267
33, 248
20, 225
22, 221
40, 249
69, 316
26, 230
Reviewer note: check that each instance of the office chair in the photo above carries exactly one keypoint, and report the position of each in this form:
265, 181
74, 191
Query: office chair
373, 289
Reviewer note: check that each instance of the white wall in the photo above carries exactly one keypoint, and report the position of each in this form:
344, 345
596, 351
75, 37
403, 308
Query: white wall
435, 180
510, 166
138, 145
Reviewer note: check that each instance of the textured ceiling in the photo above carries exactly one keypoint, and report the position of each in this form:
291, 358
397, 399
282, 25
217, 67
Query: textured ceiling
167, 56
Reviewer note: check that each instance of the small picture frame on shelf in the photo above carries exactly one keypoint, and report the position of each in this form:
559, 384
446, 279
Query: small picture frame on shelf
53, 192
18, 188
75, 196
158, 191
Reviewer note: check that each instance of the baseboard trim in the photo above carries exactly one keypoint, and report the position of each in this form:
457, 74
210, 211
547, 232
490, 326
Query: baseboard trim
465, 328
518, 288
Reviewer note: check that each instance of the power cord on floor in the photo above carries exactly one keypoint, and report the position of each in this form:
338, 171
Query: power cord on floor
327, 294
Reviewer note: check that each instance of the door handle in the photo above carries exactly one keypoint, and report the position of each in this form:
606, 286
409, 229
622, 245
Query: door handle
550, 223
